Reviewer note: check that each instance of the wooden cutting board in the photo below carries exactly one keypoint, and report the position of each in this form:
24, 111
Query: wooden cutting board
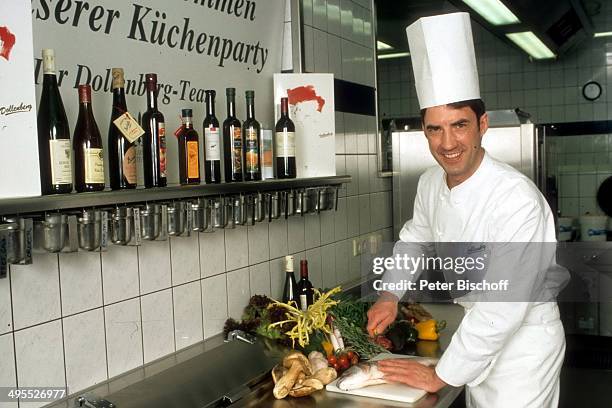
393, 392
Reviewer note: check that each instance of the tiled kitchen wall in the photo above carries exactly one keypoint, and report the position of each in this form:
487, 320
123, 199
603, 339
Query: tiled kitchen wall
79, 319
549, 91
580, 164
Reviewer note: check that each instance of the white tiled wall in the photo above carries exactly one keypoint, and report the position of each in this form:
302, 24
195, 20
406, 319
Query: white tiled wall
549, 91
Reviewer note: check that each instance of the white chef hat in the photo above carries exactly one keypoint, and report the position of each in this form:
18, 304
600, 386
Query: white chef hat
443, 59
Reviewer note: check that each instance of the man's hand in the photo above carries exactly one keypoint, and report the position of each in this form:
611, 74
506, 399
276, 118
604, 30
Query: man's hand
382, 313
411, 373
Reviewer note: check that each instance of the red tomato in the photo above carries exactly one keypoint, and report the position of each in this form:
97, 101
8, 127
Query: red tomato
344, 361
336, 366
331, 359
350, 354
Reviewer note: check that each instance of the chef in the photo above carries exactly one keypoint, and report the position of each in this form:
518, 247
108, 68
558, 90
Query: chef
507, 353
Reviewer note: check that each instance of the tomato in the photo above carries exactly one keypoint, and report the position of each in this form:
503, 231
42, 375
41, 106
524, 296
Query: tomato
344, 361
331, 359
350, 354
336, 366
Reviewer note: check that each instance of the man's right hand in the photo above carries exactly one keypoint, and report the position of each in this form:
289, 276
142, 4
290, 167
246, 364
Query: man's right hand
382, 313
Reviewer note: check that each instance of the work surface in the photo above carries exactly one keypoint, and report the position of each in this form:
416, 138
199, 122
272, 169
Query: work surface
202, 375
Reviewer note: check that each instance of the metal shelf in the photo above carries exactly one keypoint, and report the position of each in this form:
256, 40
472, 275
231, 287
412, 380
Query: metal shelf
26, 205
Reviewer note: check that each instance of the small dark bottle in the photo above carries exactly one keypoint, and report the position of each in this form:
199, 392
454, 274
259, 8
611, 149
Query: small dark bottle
285, 143
154, 138
232, 140
54, 147
87, 144
290, 292
121, 153
251, 149
189, 151
304, 286
212, 142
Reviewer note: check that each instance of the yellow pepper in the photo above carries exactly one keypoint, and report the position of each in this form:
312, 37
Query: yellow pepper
327, 346
427, 348
428, 329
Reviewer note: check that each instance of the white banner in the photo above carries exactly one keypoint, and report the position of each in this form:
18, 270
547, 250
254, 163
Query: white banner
192, 45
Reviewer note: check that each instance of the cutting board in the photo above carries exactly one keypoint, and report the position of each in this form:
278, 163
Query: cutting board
393, 392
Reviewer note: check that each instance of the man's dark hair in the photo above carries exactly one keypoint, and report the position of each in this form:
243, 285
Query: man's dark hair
477, 106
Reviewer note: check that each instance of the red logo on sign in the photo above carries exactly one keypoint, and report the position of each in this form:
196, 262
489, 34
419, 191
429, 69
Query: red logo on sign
7, 40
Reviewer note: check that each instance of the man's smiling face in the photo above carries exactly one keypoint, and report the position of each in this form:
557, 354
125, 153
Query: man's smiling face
454, 136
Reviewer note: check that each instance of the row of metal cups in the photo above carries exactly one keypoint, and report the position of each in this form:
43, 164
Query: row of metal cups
94, 229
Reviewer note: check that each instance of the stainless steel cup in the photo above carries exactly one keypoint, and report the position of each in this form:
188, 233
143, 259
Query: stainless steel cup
177, 218
12, 233
217, 213
121, 225
240, 210
288, 203
260, 207
150, 220
200, 220
90, 229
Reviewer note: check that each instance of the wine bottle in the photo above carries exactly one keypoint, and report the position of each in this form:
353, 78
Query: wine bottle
285, 143
154, 138
232, 140
290, 292
304, 287
121, 153
189, 151
88, 155
212, 142
251, 149
53, 133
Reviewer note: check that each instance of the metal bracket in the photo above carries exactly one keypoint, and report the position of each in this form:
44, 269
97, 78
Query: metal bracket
93, 402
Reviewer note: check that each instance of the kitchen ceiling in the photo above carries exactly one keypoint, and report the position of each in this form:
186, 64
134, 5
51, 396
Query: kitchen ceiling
560, 24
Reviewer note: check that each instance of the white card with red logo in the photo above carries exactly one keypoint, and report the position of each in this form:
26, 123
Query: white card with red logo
18, 134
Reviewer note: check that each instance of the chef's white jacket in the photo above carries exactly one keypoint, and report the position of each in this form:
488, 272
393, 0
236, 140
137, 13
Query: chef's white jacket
508, 353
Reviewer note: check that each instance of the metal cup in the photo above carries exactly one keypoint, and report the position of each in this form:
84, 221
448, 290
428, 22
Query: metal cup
300, 202
54, 232
217, 213
200, 218
150, 220
121, 224
260, 207
240, 210
274, 200
288, 203
177, 219
228, 210
90, 229
12, 233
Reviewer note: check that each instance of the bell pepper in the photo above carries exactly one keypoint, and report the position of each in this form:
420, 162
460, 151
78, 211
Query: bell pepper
427, 348
429, 329
327, 346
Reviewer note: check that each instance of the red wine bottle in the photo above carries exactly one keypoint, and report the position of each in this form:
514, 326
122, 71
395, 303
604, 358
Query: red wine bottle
212, 142
121, 153
232, 140
285, 143
189, 151
88, 155
304, 287
251, 149
154, 138
53, 133
290, 292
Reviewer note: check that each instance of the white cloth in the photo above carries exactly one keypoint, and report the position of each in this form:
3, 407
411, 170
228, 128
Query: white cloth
509, 354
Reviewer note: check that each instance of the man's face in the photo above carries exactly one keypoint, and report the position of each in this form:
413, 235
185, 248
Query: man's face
454, 137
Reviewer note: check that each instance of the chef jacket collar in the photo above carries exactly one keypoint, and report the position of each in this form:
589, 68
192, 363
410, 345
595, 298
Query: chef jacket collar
471, 186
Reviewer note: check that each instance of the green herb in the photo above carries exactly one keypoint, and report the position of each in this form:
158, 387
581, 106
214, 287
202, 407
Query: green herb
357, 339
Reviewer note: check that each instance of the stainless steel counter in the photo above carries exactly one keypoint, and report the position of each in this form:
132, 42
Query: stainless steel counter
213, 373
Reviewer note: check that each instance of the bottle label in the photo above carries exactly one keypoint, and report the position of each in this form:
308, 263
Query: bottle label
237, 151
303, 303
129, 128
129, 165
94, 166
285, 144
61, 170
252, 151
193, 167
211, 144
161, 129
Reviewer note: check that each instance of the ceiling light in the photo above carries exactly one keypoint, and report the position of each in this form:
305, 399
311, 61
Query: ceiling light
383, 46
531, 44
603, 34
394, 55
494, 11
